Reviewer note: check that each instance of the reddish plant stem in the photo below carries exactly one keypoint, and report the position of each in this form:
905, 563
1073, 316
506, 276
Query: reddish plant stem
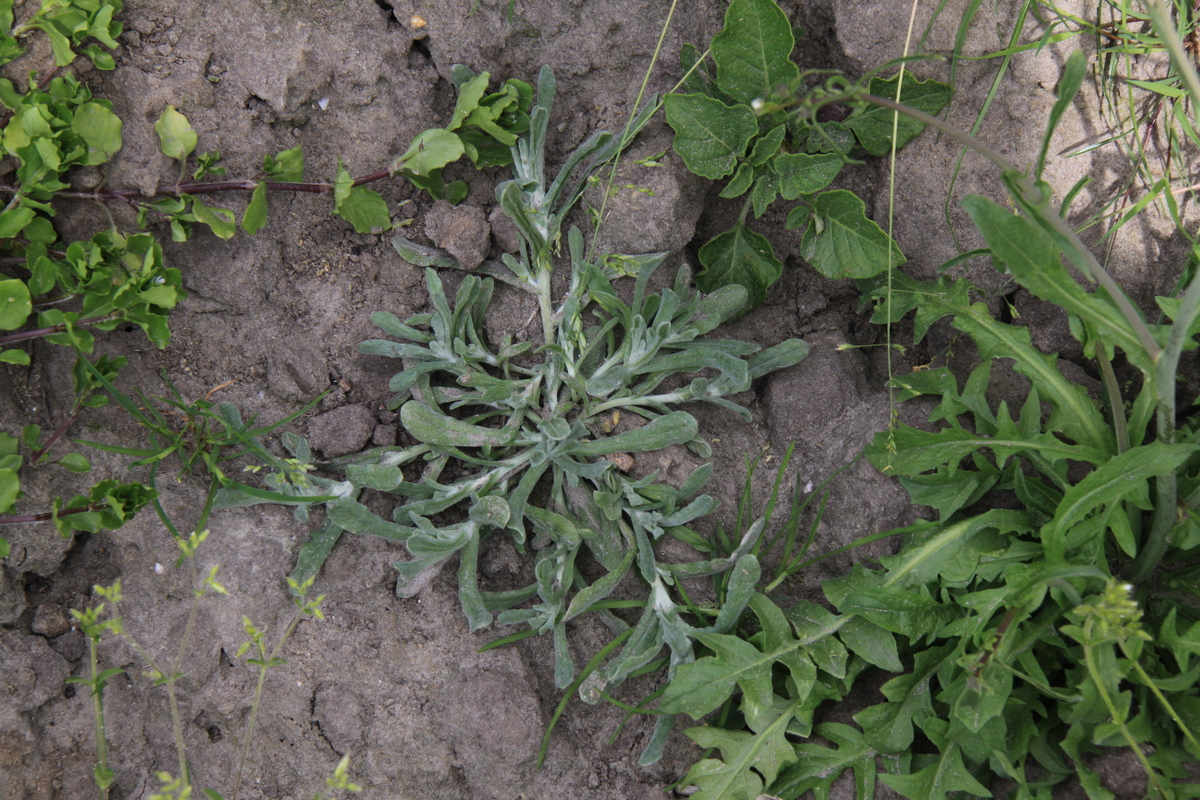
36, 456
130, 195
53, 329
46, 516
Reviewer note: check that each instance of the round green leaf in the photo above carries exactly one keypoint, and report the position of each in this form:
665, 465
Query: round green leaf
175, 134
433, 149
100, 129
15, 306
10, 487
18, 357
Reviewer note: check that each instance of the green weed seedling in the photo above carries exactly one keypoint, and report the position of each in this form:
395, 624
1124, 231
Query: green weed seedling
1026, 639
736, 121
104, 619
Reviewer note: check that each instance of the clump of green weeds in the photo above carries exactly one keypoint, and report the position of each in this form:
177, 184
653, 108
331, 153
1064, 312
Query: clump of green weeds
208, 438
1029, 637
62, 291
735, 120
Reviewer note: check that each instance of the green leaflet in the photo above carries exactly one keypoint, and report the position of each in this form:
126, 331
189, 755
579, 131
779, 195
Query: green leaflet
175, 134
946, 774
1032, 257
750, 760
709, 136
15, 304
888, 726
842, 243
873, 127
753, 51
739, 257
817, 766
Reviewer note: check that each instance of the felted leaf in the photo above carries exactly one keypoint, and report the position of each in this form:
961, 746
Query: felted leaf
432, 427
742, 257
678, 427
753, 51
709, 136
842, 243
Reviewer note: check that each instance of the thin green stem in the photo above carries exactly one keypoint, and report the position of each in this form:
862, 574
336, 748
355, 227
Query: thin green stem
98, 712
1097, 681
625, 134
1171, 712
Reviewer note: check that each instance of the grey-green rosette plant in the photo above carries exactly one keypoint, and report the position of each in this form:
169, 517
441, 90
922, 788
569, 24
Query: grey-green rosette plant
511, 438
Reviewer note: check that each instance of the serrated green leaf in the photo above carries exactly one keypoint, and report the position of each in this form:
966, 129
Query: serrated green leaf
751, 761
1122, 477
100, 129
872, 643
1031, 256
817, 766
15, 304
739, 257
709, 136
175, 134
255, 216
841, 242
898, 610
945, 775
889, 726
874, 126
366, 210
754, 51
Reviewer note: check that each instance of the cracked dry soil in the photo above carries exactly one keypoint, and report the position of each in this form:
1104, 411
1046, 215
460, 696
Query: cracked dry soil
399, 685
